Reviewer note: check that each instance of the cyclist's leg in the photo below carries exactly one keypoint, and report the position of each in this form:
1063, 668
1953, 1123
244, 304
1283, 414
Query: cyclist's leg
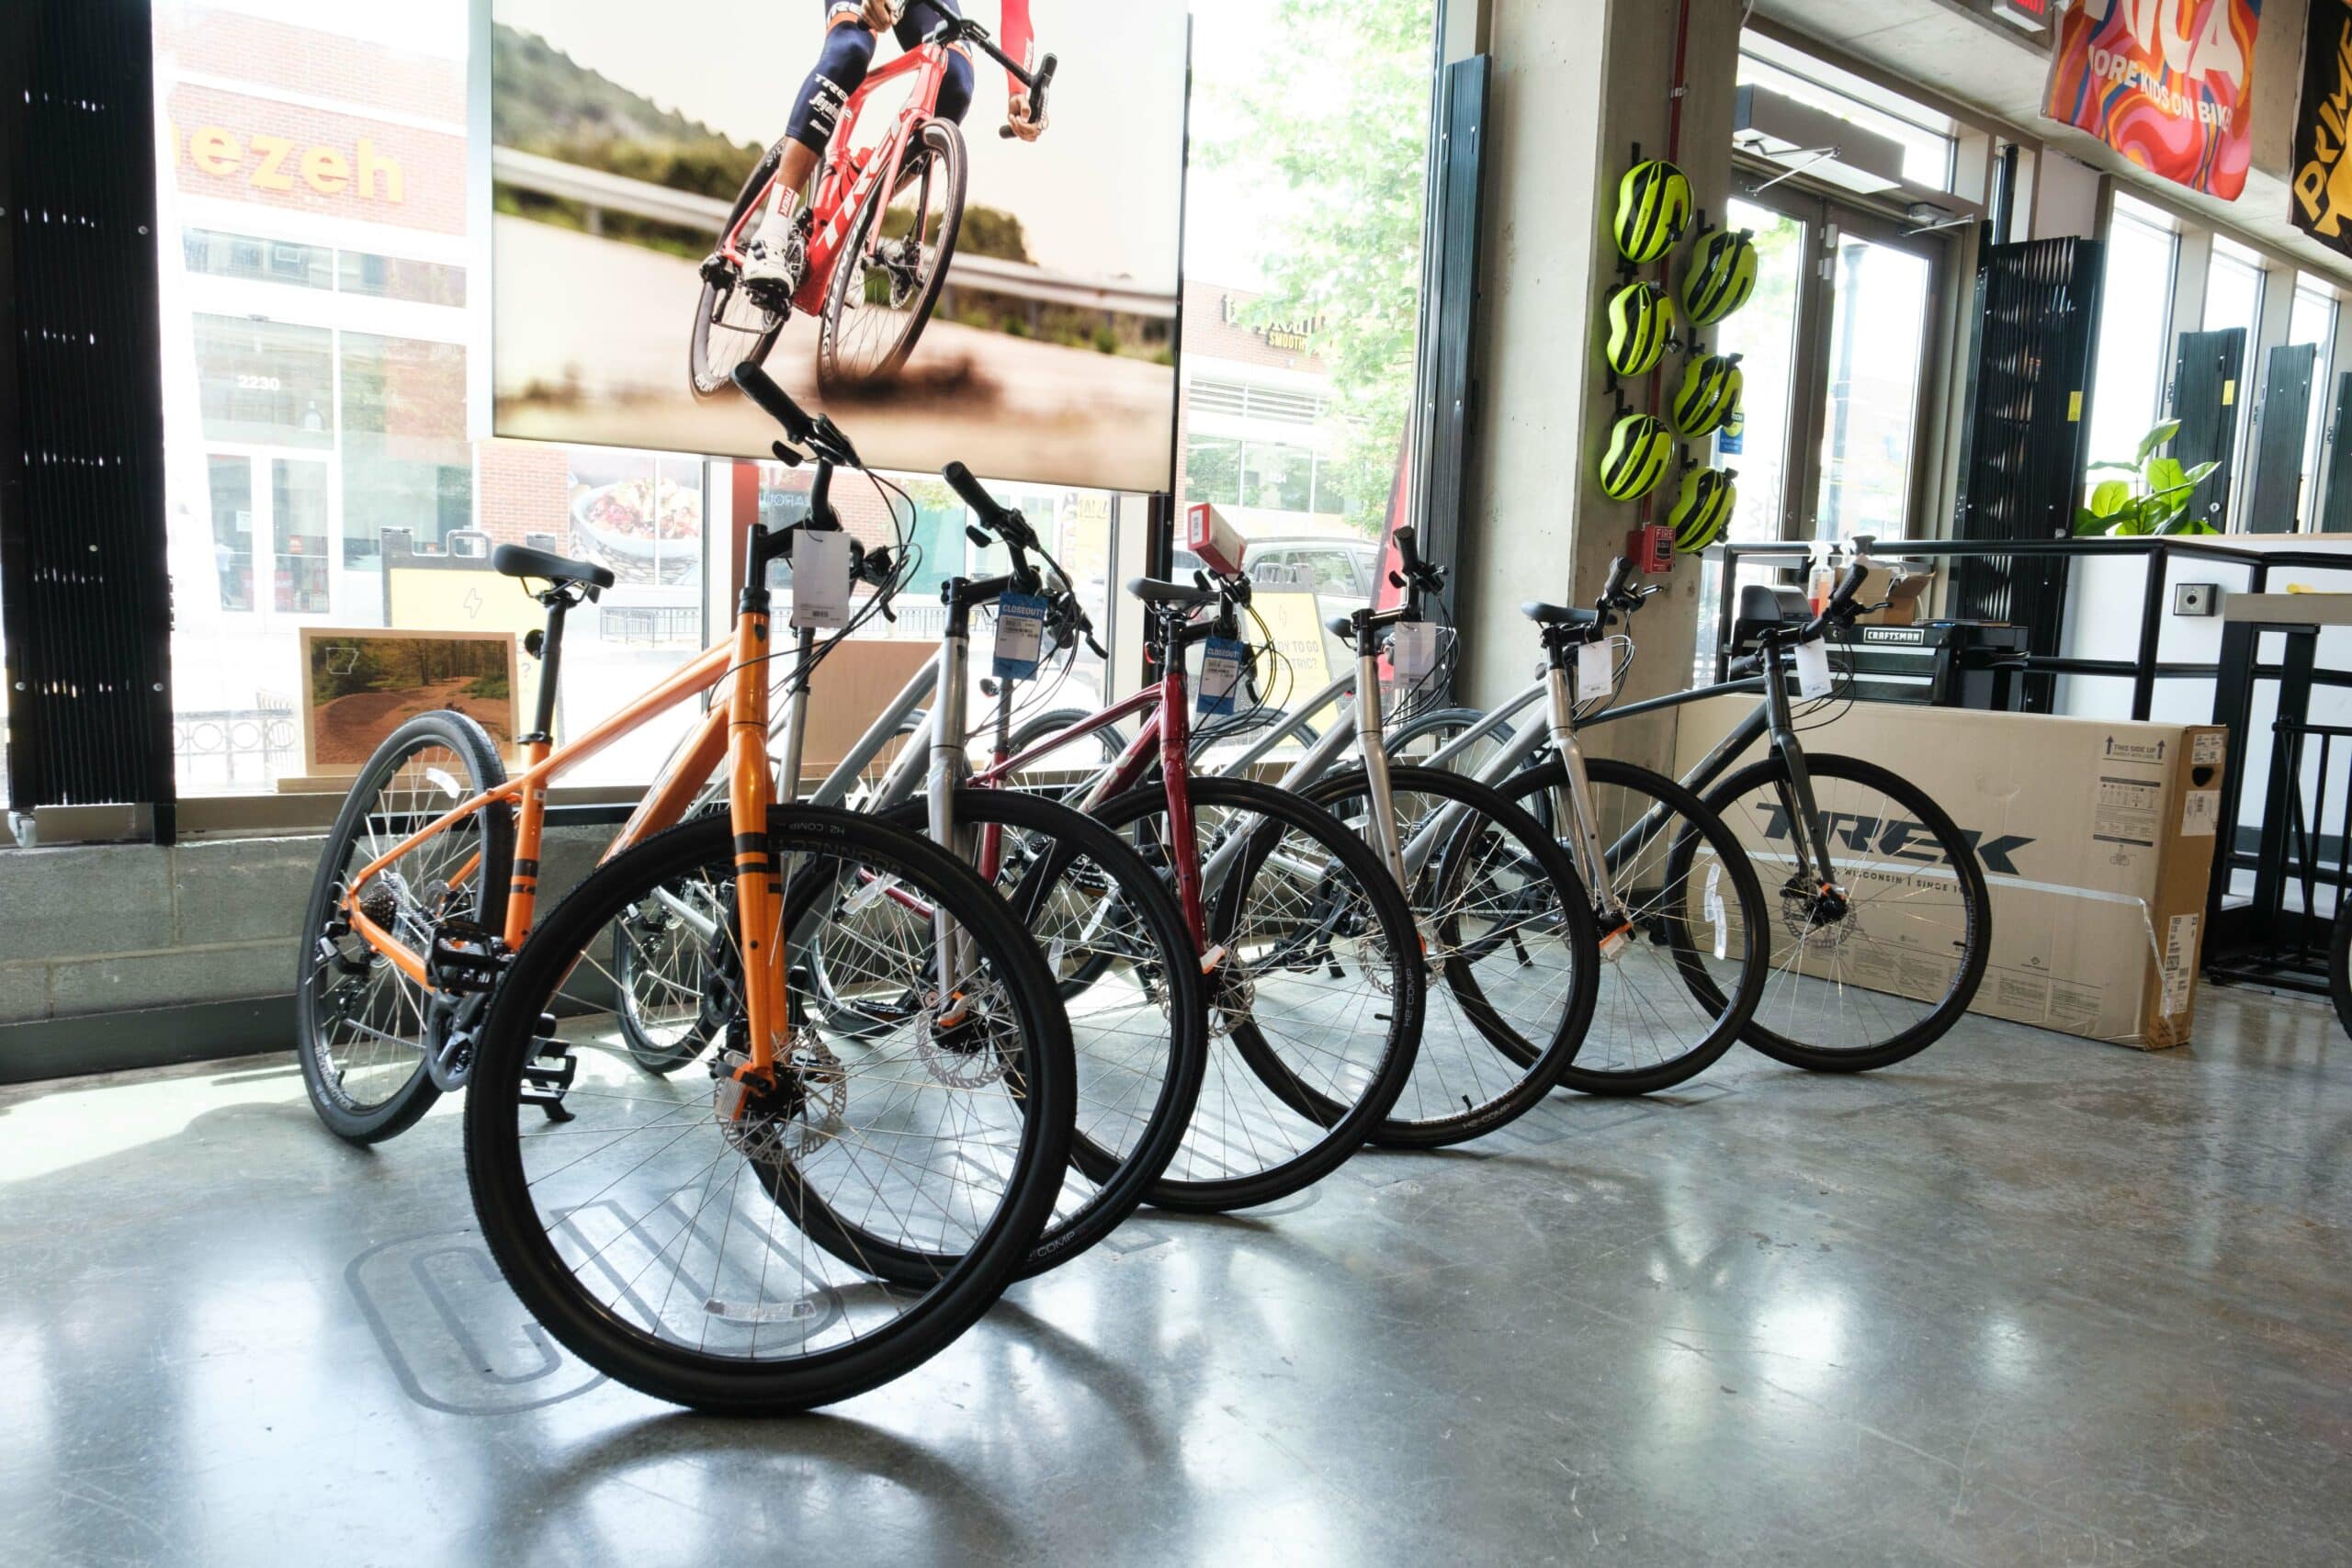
840, 71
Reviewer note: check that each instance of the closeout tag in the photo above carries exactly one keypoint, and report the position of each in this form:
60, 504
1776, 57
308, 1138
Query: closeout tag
1412, 648
1220, 673
1596, 670
821, 579
1020, 636
1813, 667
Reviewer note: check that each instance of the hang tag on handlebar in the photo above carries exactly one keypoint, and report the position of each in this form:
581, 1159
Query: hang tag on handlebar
1020, 636
1813, 667
821, 579
1220, 674
1596, 670
1412, 648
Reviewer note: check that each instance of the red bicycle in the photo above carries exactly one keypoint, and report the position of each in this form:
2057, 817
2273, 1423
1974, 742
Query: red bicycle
875, 266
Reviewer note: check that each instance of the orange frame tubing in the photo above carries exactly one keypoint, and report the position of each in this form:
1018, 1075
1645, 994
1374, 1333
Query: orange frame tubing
663, 805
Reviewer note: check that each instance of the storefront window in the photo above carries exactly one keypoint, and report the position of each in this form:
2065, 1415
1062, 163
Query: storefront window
406, 463
2134, 346
265, 382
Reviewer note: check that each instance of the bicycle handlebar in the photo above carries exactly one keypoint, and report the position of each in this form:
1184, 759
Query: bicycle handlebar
823, 438
963, 29
1038, 83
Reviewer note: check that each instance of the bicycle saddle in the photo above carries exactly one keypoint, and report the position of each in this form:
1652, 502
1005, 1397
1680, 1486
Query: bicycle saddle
1558, 615
521, 560
1341, 626
1152, 590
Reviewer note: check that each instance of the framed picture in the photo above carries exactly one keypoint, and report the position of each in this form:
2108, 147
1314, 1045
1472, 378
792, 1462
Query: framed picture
361, 684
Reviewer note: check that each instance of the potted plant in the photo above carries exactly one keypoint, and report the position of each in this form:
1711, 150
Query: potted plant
2153, 500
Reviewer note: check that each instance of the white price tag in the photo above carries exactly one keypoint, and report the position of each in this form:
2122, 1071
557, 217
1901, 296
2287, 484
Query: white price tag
1412, 648
1596, 670
1020, 636
821, 579
1220, 674
1715, 917
1813, 667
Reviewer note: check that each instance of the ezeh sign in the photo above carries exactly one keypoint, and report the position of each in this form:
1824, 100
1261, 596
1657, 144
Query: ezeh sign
2322, 181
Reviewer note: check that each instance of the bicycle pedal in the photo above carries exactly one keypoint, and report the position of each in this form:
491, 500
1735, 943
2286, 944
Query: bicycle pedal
545, 1085
465, 959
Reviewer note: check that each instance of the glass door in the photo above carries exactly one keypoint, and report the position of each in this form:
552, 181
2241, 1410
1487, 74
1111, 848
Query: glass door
1839, 348
272, 534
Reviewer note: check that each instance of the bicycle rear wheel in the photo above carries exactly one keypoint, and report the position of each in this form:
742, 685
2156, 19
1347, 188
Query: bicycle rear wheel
1507, 924
1877, 966
363, 1027
1683, 963
706, 1251
729, 328
1315, 1008
889, 271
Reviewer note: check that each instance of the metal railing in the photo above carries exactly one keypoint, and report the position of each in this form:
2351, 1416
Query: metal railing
602, 192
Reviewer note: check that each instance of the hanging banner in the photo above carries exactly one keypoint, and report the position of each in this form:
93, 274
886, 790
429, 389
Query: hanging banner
2323, 180
2165, 83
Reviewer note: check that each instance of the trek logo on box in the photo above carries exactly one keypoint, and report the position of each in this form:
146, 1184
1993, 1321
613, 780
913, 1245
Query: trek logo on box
1900, 840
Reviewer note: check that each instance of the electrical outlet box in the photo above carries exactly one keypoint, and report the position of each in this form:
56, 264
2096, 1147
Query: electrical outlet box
2195, 598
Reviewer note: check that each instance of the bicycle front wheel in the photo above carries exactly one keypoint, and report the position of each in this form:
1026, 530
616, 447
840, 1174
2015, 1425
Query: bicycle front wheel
1507, 926
1116, 942
887, 276
1872, 963
1315, 1003
697, 1237
729, 328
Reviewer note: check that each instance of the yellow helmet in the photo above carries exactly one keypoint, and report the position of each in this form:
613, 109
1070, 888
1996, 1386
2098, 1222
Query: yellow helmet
1653, 208
1710, 394
1721, 277
1640, 448
1704, 507
1641, 320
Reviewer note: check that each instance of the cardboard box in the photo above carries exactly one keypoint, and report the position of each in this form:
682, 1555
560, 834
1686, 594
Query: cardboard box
2097, 840
1907, 598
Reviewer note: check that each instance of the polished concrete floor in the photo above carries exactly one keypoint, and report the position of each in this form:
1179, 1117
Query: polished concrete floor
2024, 1299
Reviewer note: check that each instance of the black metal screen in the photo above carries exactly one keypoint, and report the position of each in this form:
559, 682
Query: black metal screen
2037, 311
2335, 517
1450, 285
2282, 422
2207, 382
82, 584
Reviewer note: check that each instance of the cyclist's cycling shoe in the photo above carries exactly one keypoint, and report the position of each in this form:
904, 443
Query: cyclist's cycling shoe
772, 271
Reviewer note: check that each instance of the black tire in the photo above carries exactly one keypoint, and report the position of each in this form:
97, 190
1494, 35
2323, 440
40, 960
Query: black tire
1674, 991
1036, 1112
1498, 896
938, 157
1286, 1142
1949, 934
751, 330
1116, 1155
2340, 965
431, 764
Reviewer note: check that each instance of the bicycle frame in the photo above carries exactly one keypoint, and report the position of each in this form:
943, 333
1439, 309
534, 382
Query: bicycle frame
735, 729
843, 181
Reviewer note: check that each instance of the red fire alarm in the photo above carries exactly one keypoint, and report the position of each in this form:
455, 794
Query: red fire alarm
1651, 550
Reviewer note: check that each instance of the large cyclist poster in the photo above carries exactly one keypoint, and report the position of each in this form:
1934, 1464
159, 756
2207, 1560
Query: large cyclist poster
1009, 299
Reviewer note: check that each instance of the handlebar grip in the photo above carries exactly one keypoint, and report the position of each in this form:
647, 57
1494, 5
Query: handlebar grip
760, 387
1620, 572
1408, 552
1857, 574
976, 496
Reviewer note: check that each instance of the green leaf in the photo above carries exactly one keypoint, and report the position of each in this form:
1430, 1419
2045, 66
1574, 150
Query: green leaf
2164, 473
2197, 475
2110, 496
2088, 522
2184, 523
2120, 467
2157, 437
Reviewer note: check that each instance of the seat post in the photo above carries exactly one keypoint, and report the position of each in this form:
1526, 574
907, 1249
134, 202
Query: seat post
558, 603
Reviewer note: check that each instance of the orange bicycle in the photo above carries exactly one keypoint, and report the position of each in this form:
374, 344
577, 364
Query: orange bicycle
735, 1241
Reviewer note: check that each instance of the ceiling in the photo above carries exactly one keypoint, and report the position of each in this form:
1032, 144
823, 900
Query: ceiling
1984, 66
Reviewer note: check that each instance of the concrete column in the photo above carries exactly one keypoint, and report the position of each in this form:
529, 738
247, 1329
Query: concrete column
1576, 83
